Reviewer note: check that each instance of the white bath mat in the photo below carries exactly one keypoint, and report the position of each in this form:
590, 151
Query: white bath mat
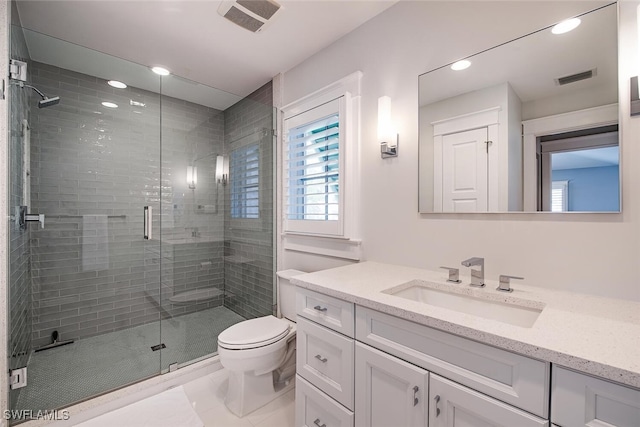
167, 409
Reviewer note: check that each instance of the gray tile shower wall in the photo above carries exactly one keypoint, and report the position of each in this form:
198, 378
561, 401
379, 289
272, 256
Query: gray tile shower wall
94, 169
249, 251
19, 257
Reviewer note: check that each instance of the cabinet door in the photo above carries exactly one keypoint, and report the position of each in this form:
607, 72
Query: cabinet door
454, 405
389, 391
581, 400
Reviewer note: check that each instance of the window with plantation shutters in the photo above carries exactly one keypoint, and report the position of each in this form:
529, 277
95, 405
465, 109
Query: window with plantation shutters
313, 172
319, 160
244, 169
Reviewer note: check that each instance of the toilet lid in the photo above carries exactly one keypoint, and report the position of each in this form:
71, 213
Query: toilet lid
254, 333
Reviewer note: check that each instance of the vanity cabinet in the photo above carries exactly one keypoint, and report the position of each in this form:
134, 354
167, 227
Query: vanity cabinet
361, 367
389, 391
582, 400
357, 366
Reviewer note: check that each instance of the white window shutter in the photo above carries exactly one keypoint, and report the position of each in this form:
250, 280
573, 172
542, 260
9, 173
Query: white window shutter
314, 170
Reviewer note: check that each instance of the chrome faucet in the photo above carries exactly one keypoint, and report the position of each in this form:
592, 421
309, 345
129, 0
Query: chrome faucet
505, 284
477, 275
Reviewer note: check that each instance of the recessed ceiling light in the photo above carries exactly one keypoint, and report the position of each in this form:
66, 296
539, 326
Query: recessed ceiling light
566, 26
461, 65
117, 84
160, 71
109, 104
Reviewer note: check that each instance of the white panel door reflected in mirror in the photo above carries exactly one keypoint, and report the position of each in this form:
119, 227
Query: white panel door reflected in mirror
529, 94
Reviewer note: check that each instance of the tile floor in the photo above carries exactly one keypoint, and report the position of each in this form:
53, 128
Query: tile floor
206, 395
64, 375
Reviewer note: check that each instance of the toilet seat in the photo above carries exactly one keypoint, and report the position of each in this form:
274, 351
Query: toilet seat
254, 333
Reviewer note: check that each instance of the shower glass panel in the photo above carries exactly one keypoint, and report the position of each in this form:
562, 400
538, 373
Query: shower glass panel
216, 270
158, 203
249, 218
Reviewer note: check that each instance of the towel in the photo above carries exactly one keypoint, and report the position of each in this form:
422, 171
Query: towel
95, 243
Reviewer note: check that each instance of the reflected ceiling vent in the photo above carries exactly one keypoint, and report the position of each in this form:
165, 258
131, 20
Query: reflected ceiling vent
560, 81
253, 15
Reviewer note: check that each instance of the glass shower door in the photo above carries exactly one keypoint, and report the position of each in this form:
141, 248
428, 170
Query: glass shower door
85, 234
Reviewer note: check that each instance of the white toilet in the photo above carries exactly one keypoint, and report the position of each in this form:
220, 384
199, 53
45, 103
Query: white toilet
260, 354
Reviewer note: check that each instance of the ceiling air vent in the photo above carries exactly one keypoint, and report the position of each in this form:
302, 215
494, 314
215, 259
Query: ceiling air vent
576, 77
252, 15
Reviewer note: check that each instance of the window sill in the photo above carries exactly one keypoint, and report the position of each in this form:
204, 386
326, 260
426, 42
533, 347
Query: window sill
337, 247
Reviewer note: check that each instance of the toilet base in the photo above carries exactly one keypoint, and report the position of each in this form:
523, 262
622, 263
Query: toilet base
248, 392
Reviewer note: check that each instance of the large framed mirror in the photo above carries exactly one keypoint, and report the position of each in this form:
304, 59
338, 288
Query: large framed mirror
527, 126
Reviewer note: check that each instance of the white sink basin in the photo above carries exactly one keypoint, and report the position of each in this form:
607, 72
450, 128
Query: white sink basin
506, 312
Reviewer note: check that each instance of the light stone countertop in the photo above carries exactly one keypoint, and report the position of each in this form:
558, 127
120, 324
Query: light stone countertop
595, 335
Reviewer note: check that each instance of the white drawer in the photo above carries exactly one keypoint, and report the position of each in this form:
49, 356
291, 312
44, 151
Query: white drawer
512, 378
314, 409
328, 311
582, 400
325, 359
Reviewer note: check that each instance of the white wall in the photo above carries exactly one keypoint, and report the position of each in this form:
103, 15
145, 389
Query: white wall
593, 253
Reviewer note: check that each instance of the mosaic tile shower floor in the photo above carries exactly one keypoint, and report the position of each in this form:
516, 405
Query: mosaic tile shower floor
64, 375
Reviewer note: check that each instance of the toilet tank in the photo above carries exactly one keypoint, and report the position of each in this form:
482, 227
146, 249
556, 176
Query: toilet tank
287, 293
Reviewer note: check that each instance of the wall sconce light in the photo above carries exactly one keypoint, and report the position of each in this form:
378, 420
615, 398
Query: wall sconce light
192, 176
387, 137
221, 177
635, 97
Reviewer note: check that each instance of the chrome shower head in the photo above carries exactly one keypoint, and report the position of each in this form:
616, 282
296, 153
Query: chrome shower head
48, 102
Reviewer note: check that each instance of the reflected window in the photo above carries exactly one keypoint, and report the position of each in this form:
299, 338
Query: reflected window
560, 196
580, 171
244, 169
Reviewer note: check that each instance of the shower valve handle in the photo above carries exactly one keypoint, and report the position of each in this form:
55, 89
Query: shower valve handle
36, 218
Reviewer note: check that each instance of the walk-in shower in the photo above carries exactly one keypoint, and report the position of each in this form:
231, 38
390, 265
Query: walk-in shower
114, 251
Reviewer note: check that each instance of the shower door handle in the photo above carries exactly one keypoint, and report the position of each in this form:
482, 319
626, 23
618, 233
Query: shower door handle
148, 222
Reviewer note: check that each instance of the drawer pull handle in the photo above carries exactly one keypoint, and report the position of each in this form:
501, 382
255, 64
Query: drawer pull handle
320, 358
322, 309
437, 399
415, 395
317, 422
